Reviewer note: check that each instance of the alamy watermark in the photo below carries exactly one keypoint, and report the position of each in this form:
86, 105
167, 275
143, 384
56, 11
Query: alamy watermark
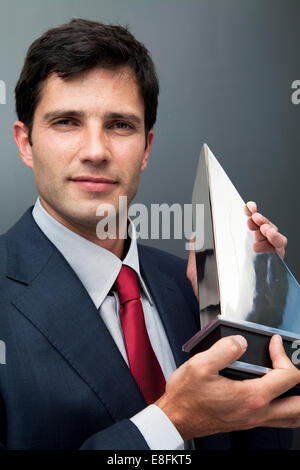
295, 96
2, 92
296, 354
2, 352
161, 221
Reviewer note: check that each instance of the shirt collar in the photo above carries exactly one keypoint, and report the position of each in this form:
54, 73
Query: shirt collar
96, 267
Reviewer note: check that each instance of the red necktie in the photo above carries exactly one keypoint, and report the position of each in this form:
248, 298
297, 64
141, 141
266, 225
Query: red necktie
143, 362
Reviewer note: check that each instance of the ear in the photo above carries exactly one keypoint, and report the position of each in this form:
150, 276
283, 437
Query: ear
21, 137
147, 150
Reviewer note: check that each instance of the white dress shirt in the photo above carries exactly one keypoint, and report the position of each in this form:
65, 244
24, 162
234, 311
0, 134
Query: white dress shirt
97, 269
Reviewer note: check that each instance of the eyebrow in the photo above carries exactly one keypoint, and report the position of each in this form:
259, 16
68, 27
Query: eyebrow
126, 116
63, 113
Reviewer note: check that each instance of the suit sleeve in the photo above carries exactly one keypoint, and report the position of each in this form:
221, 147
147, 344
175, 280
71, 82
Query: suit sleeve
123, 435
2, 424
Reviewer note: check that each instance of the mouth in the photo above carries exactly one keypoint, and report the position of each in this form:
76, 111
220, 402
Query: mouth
95, 184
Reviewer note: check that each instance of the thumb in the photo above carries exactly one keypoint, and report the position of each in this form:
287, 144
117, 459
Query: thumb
278, 354
222, 353
191, 271
284, 375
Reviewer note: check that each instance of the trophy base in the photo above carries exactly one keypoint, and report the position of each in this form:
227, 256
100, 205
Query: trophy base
256, 361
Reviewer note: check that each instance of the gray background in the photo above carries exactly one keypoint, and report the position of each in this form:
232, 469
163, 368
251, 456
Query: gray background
225, 68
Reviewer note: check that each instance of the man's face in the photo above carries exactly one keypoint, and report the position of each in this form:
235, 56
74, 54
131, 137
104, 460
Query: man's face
88, 143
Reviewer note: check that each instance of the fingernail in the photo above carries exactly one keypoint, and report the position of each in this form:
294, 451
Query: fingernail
251, 206
278, 339
249, 212
242, 341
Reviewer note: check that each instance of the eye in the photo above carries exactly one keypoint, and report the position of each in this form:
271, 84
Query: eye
64, 122
122, 125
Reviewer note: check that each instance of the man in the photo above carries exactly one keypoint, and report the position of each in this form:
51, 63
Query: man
79, 374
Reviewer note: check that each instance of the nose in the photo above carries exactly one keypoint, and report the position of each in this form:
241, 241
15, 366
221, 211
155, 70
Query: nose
94, 145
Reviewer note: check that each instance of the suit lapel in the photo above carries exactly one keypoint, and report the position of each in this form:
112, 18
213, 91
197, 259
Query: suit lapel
57, 304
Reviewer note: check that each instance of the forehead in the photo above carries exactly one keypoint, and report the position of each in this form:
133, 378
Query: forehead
96, 89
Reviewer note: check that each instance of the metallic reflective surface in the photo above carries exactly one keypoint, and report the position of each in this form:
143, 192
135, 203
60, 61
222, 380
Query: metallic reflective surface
244, 366
233, 280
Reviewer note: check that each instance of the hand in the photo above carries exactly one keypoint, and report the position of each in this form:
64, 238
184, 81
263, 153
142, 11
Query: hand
201, 402
267, 237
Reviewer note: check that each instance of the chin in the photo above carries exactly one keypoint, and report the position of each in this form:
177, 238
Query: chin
84, 219
76, 215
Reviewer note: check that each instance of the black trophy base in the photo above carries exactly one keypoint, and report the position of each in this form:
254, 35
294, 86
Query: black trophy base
256, 359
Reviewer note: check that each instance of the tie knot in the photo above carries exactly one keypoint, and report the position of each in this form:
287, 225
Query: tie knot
127, 285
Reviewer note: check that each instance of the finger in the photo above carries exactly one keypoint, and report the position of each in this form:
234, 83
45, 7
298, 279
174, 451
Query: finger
260, 219
283, 412
274, 383
251, 224
250, 208
266, 247
278, 355
265, 228
222, 353
273, 236
259, 237
263, 244
275, 241
282, 378
263, 247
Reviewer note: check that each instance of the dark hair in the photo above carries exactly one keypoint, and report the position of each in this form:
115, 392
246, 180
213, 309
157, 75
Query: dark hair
78, 46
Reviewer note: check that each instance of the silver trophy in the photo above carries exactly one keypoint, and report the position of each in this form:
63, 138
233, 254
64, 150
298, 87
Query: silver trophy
240, 291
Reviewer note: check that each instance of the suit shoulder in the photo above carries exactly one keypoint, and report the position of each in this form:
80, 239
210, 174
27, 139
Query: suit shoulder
3, 253
168, 260
170, 264
174, 267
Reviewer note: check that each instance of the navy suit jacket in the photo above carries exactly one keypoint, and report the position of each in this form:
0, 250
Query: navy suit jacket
65, 385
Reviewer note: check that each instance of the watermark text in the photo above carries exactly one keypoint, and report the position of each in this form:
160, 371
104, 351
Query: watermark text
160, 221
295, 97
2, 92
2, 352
